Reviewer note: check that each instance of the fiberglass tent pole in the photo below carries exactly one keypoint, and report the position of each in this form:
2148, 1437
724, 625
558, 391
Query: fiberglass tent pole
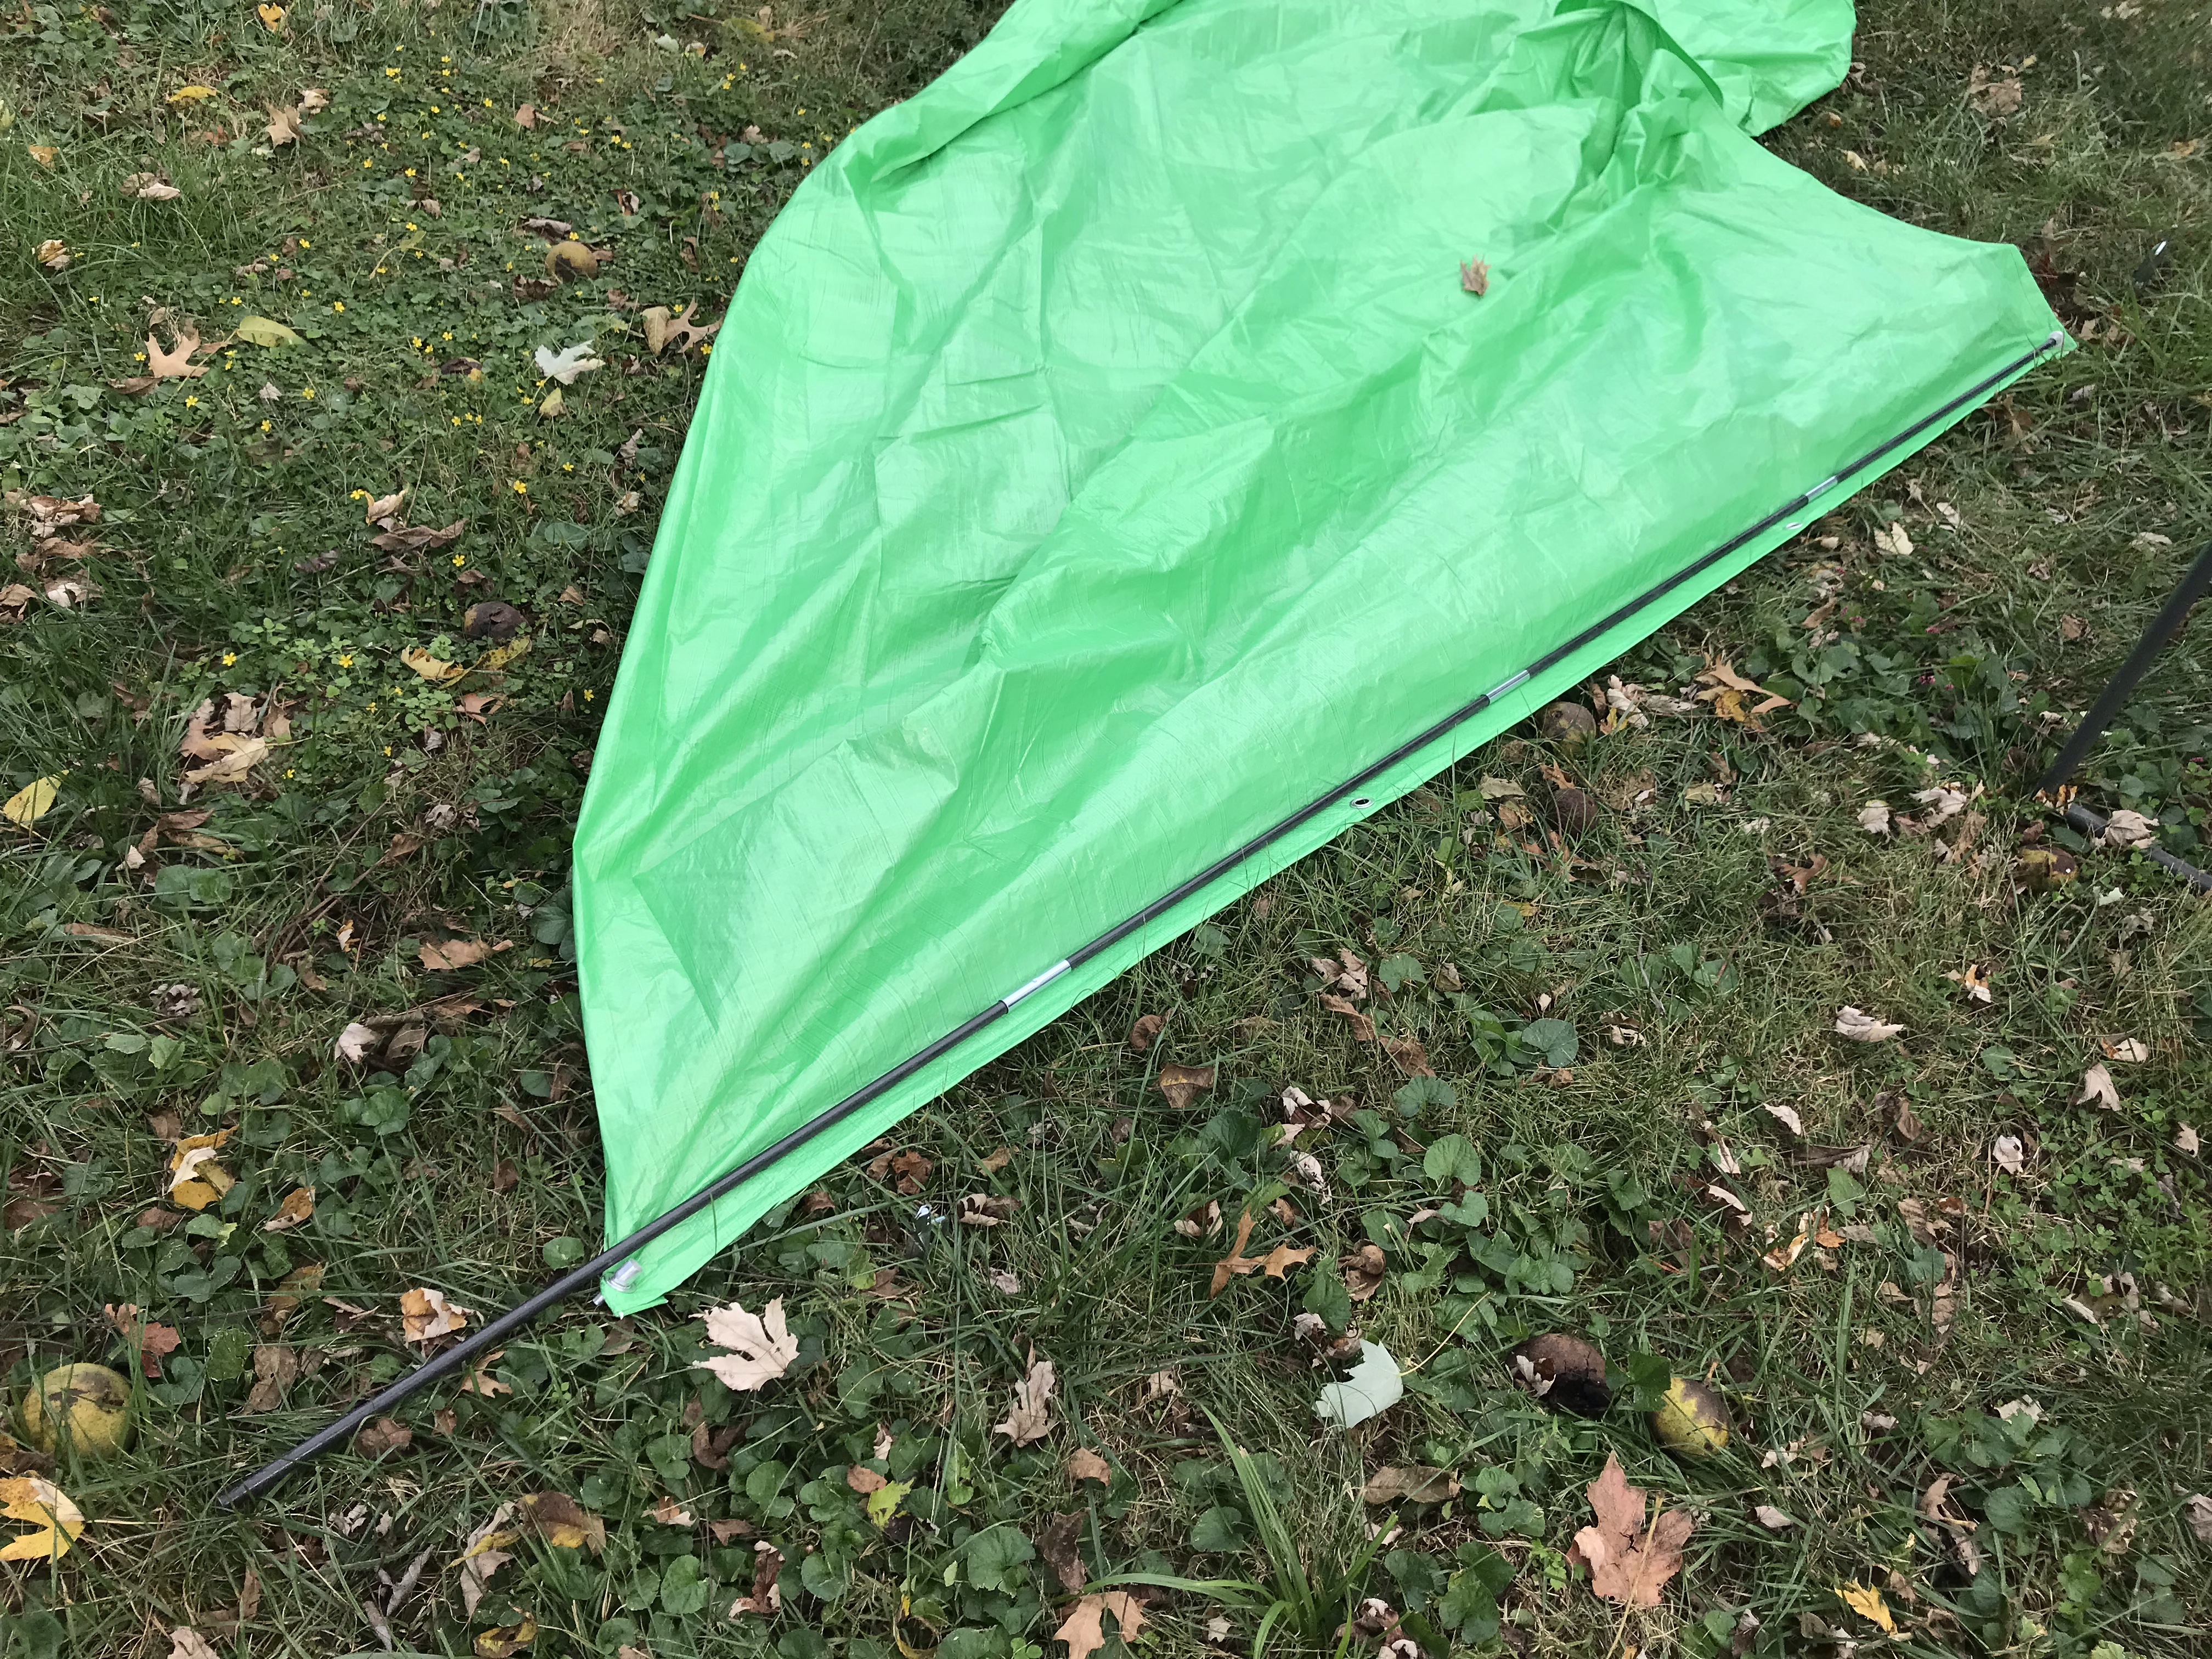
2195, 581
611, 1259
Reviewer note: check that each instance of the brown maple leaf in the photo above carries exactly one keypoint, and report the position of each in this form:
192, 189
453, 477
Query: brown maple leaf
1629, 1562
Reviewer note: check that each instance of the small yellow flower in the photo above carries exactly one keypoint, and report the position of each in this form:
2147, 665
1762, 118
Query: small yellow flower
449, 334
346, 660
337, 305
191, 402
264, 425
460, 559
290, 772
588, 696
410, 174
391, 75
307, 391
358, 495
229, 657
520, 488
567, 467
457, 420
304, 242
368, 164
410, 224
387, 747
138, 357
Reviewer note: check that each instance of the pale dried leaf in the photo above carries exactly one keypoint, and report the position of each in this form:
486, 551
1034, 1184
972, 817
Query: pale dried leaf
762, 1345
426, 1315
1861, 1027
2097, 1090
1084, 1629
1030, 1418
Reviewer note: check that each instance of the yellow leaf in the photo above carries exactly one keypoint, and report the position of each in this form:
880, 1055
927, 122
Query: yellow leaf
434, 669
32, 802
265, 331
1866, 1601
505, 655
504, 1641
195, 1179
43, 154
187, 95
58, 1520
883, 1503
272, 17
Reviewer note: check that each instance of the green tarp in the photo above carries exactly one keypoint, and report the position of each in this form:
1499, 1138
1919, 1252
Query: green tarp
1103, 459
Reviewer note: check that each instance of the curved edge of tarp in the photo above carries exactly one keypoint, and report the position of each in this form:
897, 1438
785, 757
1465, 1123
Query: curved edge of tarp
678, 1253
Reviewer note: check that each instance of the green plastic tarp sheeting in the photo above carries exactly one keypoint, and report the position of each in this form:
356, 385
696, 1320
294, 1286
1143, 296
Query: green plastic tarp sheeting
1102, 460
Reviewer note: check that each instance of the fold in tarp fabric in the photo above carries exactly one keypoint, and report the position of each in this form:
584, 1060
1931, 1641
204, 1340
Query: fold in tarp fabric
1102, 460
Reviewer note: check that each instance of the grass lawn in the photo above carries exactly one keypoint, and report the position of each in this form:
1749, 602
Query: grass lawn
311, 749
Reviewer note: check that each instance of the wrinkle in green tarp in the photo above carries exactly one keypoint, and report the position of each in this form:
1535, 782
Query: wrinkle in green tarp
1101, 460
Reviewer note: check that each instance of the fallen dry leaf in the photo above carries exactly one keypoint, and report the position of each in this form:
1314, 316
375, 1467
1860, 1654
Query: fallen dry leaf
383, 1436
762, 1345
2198, 1509
283, 124
1363, 1028
2006, 1151
2126, 830
1146, 1030
1771, 1518
484, 1554
1629, 1564
454, 953
2130, 1051
56, 1521
1990, 94
195, 1179
1236, 1264
1030, 1418
1414, 1484
297, 1207
2097, 1090
175, 364
1866, 1601
150, 187
1084, 1629
1364, 1271
276, 1368
436, 670
426, 1315
563, 1523
1974, 980
1182, 1085
1860, 1027
1873, 817
185, 1643
1084, 1464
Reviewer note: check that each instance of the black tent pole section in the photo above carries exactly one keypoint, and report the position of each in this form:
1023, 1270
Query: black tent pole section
2193, 585
583, 1276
